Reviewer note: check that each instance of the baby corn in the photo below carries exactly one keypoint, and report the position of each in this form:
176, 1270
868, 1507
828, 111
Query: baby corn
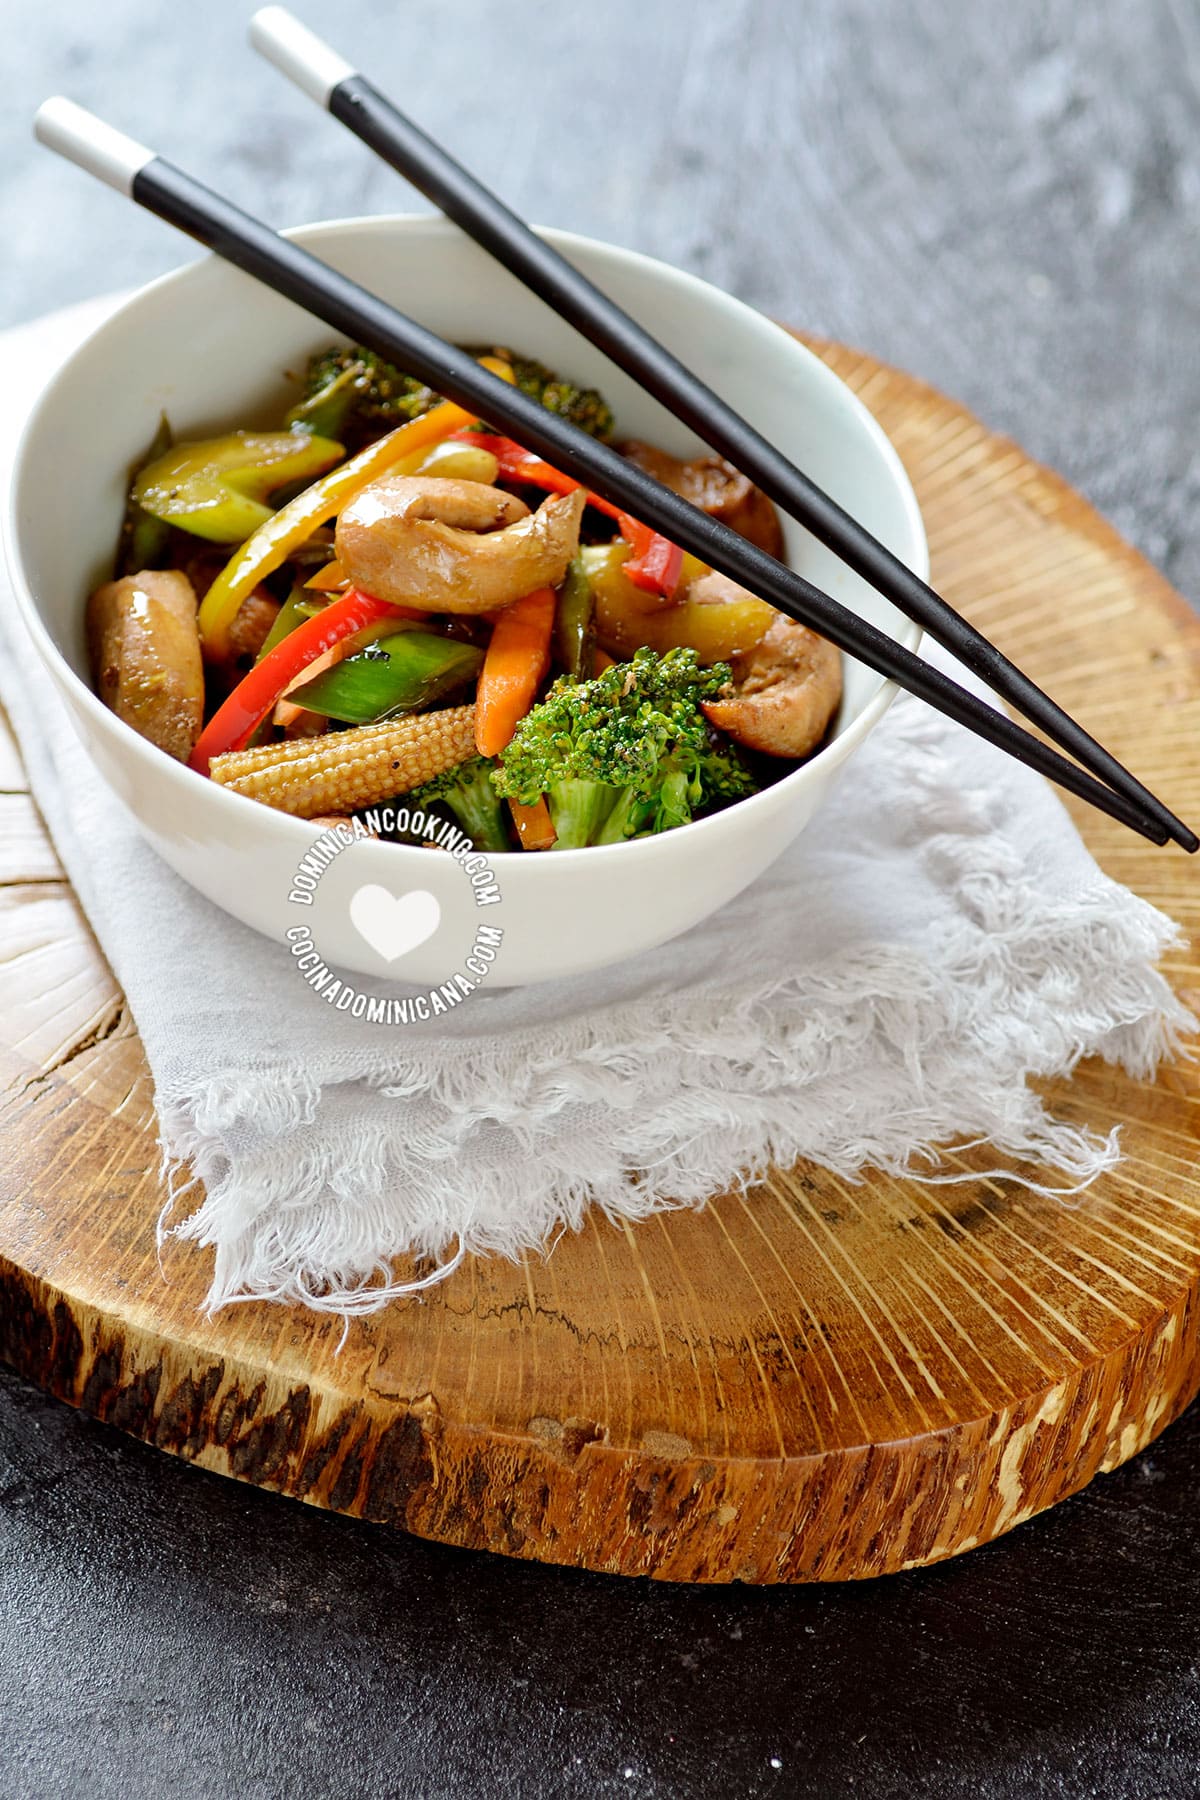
343, 770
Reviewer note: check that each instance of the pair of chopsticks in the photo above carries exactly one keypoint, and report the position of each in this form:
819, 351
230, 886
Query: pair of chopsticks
300, 276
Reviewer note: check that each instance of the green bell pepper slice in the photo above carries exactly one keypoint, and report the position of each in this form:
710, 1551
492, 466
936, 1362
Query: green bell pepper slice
217, 488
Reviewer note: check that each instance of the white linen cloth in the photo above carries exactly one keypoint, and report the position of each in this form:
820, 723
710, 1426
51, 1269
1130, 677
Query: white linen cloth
935, 938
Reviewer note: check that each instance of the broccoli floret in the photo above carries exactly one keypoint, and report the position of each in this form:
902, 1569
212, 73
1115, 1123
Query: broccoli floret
353, 391
356, 387
627, 754
468, 792
584, 407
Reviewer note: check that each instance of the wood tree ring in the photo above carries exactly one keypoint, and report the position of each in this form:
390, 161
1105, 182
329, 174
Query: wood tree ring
816, 1381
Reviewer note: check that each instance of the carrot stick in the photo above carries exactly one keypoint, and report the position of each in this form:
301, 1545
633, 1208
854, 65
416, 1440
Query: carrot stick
534, 825
513, 666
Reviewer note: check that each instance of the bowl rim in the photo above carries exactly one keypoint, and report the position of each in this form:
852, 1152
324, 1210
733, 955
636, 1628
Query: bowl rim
311, 234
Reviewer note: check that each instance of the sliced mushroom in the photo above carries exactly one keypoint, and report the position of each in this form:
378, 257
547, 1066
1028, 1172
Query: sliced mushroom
717, 488
784, 691
145, 654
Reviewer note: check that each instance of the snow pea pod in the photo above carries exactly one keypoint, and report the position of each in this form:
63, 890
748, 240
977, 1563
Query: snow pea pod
575, 623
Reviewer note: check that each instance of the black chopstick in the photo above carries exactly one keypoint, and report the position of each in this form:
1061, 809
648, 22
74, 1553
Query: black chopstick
353, 100
302, 278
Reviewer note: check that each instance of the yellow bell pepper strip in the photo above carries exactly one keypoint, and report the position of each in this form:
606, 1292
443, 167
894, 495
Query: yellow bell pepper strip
217, 488
285, 530
458, 459
331, 575
235, 721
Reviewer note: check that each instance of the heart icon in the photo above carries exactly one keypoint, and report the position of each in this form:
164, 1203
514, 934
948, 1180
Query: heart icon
394, 924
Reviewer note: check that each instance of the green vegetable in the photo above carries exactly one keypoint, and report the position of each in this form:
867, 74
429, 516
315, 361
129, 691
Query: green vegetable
574, 623
401, 673
355, 387
468, 792
627, 754
353, 392
217, 488
295, 609
584, 407
143, 541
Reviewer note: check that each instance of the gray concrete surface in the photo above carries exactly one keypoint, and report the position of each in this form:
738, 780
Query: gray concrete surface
1004, 199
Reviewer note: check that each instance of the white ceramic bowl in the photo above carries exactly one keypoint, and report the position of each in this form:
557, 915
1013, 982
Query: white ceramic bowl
211, 348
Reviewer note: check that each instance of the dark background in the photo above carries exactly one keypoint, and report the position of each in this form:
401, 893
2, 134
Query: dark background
1004, 199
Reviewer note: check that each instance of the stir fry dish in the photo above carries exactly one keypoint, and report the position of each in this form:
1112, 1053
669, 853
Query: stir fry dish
383, 598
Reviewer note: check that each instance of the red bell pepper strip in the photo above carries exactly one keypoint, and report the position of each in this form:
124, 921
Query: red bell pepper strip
233, 723
654, 562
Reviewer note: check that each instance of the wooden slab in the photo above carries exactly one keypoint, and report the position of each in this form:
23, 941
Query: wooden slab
819, 1381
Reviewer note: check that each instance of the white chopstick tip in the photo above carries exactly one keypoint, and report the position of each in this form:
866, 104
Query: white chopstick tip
298, 53
81, 137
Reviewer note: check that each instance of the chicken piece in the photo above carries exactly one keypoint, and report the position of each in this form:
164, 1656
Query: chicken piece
717, 488
784, 691
454, 546
144, 648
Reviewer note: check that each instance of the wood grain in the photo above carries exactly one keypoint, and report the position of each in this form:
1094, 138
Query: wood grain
818, 1381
